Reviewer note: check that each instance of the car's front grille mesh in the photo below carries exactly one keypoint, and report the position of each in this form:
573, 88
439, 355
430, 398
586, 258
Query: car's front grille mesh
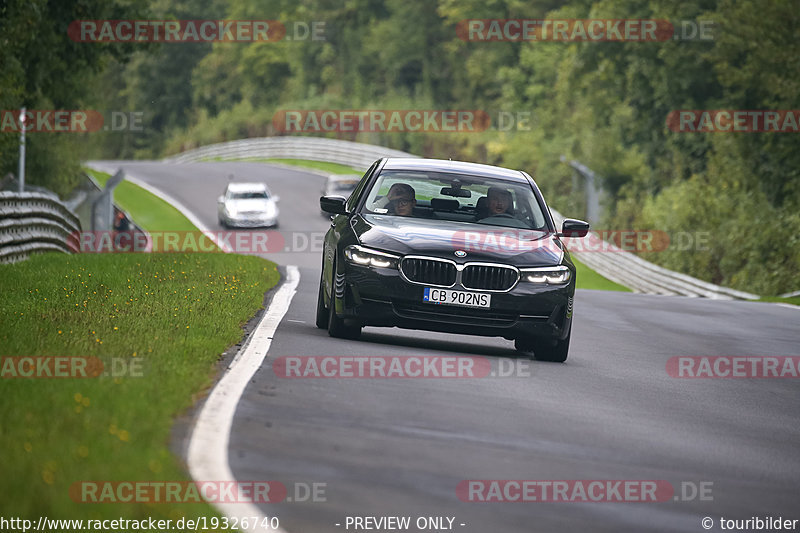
489, 278
473, 276
429, 271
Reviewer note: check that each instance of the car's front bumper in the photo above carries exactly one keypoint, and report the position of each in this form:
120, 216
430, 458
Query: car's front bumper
248, 222
381, 297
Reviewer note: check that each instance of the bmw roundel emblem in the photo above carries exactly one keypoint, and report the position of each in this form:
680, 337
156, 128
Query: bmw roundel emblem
461, 253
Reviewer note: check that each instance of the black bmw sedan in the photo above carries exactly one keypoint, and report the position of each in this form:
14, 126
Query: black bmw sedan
452, 247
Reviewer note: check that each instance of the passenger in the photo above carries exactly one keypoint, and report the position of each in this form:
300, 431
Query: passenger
402, 199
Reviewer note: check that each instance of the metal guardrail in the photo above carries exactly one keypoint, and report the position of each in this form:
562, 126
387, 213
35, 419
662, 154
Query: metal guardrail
353, 154
33, 222
617, 265
642, 276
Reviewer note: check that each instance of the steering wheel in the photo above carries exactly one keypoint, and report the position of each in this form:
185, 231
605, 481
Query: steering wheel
501, 215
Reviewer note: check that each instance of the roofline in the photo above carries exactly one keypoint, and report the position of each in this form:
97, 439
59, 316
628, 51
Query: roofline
479, 169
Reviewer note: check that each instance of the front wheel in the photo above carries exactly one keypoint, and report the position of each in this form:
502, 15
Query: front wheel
322, 312
336, 326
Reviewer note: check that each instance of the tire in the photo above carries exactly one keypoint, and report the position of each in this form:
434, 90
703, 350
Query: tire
322, 312
551, 350
336, 326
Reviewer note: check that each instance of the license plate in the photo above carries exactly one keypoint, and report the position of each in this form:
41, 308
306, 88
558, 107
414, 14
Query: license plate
461, 298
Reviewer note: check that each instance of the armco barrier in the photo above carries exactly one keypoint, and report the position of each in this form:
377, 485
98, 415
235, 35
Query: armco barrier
621, 266
356, 155
32, 222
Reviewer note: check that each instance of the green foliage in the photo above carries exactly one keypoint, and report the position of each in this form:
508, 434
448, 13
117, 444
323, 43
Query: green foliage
42, 68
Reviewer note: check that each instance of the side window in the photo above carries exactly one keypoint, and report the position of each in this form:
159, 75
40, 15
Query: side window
353, 200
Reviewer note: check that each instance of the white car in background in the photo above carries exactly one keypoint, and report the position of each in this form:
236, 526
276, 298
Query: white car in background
247, 205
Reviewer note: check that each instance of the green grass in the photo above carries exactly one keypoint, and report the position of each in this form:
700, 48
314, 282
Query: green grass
794, 300
589, 279
150, 212
171, 314
164, 318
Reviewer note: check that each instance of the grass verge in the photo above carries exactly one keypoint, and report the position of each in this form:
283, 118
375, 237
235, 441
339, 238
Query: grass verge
157, 322
589, 279
794, 300
160, 322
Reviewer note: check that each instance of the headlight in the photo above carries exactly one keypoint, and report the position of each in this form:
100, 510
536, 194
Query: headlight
359, 255
230, 210
549, 275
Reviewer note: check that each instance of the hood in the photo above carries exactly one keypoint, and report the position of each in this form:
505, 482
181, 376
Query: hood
442, 238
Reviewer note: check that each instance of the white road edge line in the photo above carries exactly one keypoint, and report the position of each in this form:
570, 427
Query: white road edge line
207, 456
208, 448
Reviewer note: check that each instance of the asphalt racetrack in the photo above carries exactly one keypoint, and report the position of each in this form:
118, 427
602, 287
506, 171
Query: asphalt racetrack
401, 447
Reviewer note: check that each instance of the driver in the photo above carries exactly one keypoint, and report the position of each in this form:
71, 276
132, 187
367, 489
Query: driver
500, 201
402, 199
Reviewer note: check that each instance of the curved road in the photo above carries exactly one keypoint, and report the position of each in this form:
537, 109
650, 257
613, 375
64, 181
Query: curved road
400, 447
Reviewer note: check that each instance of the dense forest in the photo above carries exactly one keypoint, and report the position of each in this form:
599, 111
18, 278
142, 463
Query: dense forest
604, 104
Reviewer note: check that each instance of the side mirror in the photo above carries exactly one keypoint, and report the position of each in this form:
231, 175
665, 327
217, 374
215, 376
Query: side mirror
334, 205
574, 228
276, 198
221, 200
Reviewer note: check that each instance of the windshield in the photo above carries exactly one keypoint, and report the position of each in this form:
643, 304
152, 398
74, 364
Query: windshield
456, 197
249, 195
